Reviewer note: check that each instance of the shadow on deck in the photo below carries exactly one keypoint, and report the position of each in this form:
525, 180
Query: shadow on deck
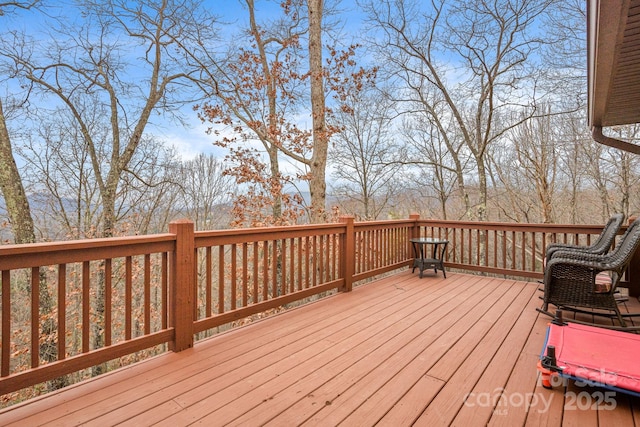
398, 351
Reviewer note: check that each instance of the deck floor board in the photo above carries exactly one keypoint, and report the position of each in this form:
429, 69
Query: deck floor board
397, 351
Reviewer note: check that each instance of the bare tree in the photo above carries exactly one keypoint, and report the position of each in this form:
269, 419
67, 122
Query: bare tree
564, 52
573, 137
87, 63
59, 173
442, 162
622, 170
147, 195
534, 145
488, 44
11, 185
205, 191
366, 156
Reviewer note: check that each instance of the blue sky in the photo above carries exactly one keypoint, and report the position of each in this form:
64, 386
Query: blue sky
191, 140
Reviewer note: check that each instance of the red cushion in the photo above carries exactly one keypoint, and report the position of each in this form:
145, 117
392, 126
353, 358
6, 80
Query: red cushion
602, 355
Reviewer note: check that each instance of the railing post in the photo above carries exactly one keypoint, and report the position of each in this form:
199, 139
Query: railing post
634, 271
348, 252
182, 284
415, 233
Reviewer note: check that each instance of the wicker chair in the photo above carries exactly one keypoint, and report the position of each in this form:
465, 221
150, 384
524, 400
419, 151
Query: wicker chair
600, 246
570, 277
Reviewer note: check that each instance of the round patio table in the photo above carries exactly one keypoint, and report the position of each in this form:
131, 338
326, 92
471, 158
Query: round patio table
425, 259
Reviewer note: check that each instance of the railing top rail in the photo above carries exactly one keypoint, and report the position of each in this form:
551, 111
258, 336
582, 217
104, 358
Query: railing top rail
244, 235
270, 230
513, 226
385, 223
44, 247
40, 254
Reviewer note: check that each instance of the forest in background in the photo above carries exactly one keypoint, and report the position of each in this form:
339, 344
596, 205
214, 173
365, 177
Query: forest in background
444, 108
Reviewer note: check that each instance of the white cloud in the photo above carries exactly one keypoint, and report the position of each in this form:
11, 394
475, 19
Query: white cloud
190, 140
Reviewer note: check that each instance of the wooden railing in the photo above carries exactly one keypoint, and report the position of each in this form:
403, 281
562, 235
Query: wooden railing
114, 297
248, 271
74, 305
504, 248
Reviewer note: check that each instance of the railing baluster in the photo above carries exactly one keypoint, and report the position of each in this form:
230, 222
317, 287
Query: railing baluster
397, 244
245, 276
523, 251
504, 249
255, 258
359, 251
274, 269
495, 248
208, 281
108, 301
86, 305
384, 235
314, 281
394, 246
307, 262
470, 247
221, 296
165, 290
454, 249
292, 267
147, 294
265, 270
374, 253
387, 249
283, 267
336, 257
62, 314
128, 297
324, 259
299, 241
462, 246
233, 281
380, 244
367, 251
533, 251
478, 245
513, 250
6, 323
330, 273
35, 317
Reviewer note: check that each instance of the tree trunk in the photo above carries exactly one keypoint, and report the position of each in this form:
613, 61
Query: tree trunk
317, 184
481, 209
24, 232
275, 184
12, 189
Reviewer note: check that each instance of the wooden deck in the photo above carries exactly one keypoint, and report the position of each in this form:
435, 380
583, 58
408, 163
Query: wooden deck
398, 351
